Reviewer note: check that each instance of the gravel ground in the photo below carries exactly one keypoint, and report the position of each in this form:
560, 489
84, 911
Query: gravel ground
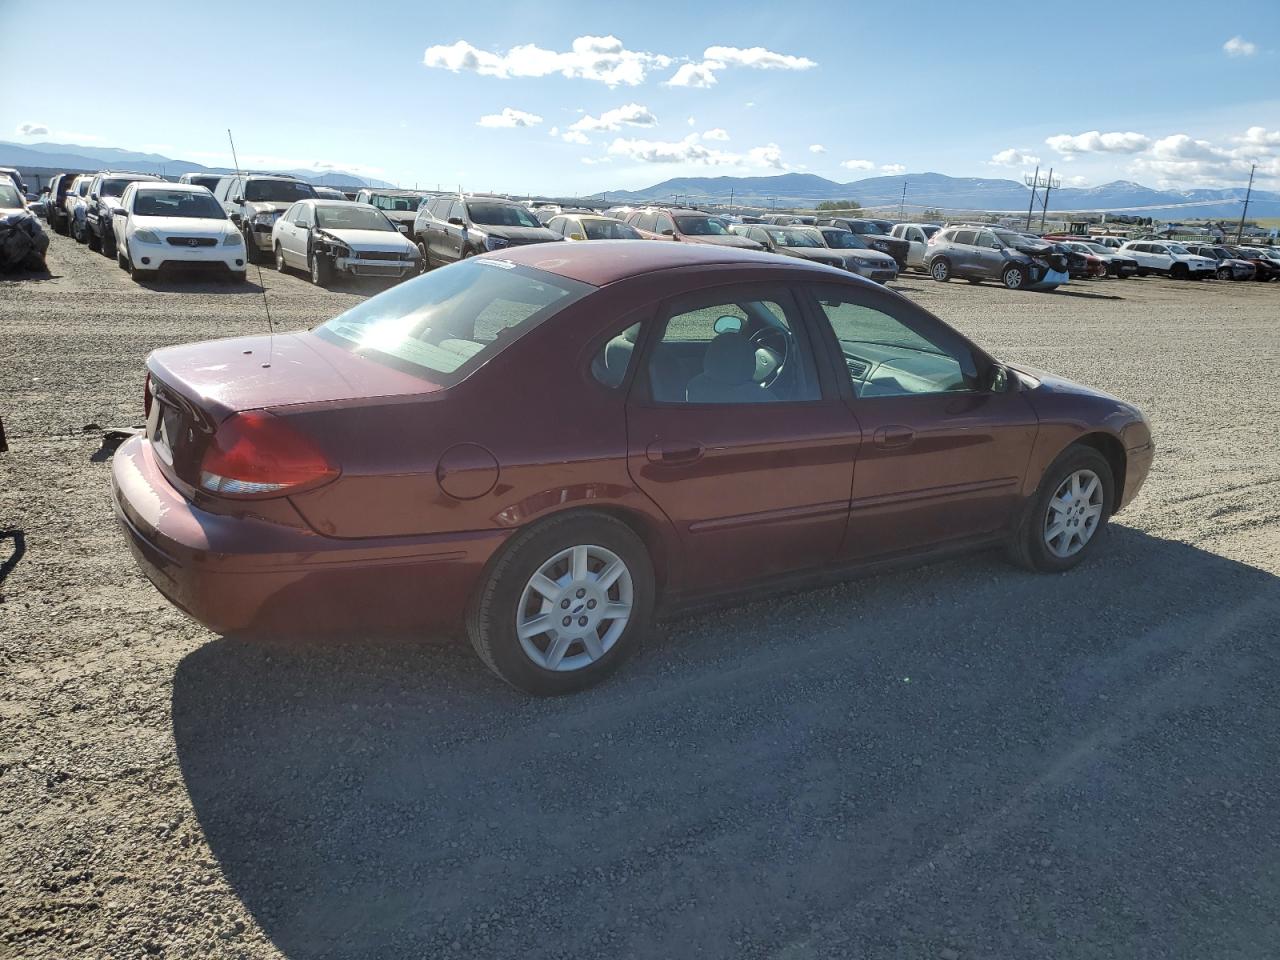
961, 761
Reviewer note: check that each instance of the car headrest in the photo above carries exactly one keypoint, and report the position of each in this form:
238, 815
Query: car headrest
730, 359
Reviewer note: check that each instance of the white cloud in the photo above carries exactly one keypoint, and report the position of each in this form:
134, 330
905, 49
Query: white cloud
693, 122
1260, 137
1239, 47
749, 104
766, 156
267, 161
693, 152
716, 133
893, 169
509, 118
554, 132
817, 148
1013, 157
715, 59
32, 130
1095, 142
1076, 181
595, 160
858, 165
1180, 160
604, 59
574, 136
693, 75
630, 115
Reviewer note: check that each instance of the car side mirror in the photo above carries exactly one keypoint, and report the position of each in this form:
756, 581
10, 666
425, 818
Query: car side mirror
577, 236
456, 221
237, 200
119, 212
1001, 379
727, 324
668, 232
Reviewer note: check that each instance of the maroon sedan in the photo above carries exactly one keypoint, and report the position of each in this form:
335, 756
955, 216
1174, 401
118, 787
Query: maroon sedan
549, 445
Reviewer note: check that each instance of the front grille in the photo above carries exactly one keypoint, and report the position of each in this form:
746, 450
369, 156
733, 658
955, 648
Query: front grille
377, 255
374, 270
193, 241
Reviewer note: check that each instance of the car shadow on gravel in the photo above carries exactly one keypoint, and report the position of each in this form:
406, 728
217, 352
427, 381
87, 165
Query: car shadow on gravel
197, 284
961, 757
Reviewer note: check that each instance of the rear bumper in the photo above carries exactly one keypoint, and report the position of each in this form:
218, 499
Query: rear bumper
239, 572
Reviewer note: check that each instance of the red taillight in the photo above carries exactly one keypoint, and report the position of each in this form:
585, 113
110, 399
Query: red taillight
258, 455
146, 399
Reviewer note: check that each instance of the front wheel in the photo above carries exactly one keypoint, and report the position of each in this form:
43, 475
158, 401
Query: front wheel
94, 241
563, 604
1014, 277
321, 270
940, 270
1224, 273
280, 264
251, 252
1062, 521
109, 243
1179, 271
424, 262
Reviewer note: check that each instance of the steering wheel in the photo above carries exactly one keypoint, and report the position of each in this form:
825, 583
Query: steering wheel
761, 338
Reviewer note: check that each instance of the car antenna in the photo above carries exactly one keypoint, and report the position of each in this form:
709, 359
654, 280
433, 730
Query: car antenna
271, 330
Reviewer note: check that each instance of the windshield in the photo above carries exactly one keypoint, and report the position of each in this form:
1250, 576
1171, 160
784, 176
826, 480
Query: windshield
609, 230
843, 240
9, 196
177, 203
1095, 248
446, 323
1011, 239
702, 226
114, 187
278, 191
501, 215
1177, 248
793, 238
385, 201
351, 216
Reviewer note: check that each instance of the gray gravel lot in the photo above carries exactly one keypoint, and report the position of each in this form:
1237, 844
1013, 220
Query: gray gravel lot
961, 761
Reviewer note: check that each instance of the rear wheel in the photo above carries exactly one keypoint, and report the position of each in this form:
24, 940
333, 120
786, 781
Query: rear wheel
563, 604
940, 269
1014, 277
1061, 523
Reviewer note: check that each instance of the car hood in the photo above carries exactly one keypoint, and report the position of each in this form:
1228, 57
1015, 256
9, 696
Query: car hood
401, 216
109, 202
267, 206
816, 254
518, 234
184, 226
370, 239
729, 240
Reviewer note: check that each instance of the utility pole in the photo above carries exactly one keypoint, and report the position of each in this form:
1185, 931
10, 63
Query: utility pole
1247, 194
1033, 183
1049, 185
902, 205
731, 201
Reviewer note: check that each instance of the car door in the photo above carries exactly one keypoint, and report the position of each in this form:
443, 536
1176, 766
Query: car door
961, 252
296, 235
988, 255
943, 455
750, 461
120, 224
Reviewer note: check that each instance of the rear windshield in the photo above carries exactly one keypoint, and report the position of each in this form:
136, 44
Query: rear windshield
446, 323
9, 196
115, 186
385, 202
177, 203
501, 215
351, 216
609, 230
278, 191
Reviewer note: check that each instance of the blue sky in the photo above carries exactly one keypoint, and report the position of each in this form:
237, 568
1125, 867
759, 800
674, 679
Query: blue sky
561, 97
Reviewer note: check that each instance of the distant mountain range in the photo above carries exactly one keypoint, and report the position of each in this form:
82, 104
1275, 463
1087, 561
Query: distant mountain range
937, 190
66, 156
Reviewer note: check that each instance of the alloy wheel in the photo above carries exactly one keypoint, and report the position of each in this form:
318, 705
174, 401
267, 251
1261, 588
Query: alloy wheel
574, 608
1075, 510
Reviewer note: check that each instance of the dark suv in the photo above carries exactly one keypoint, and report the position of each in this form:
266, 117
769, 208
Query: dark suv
254, 202
977, 253
875, 233
55, 206
398, 206
449, 228
104, 198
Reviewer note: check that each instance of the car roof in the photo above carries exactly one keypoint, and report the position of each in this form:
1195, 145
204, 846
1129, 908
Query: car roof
168, 185
608, 261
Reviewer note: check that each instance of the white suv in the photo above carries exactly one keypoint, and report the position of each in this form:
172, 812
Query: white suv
916, 234
1171, 259
175, 225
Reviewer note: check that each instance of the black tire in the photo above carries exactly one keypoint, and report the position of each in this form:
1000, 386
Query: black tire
281, 266
1224, 273
121, 261
940, 269
77, 231
1179, 271
251, 252
93, 240
1143, 271
321, 269
424, 259
1014, 277
1027, 546
491, 615
109, 240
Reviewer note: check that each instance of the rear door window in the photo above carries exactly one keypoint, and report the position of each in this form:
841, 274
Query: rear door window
965, 237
